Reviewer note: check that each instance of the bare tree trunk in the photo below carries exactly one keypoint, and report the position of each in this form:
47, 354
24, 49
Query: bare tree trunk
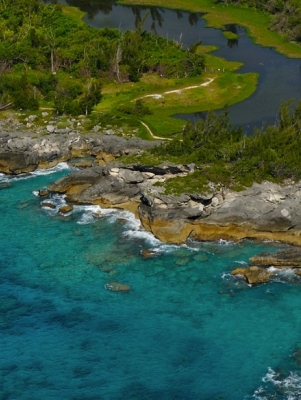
52, 60
5, 106
118, 57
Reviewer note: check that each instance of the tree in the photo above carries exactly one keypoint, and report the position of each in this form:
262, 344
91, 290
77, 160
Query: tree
91, 97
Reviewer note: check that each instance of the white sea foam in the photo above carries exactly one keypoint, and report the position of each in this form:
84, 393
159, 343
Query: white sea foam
59, 167
226, 275
225, 242
135, 230
58, 200
87, 214
289, 386
283, 274
38, 172
132, 226
241, 262
4, 178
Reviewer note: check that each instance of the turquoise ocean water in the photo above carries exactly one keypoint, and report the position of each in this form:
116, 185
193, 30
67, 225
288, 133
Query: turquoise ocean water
187, 329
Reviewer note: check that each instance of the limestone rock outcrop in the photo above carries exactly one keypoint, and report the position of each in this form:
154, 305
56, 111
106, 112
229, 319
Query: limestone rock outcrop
289, 258
254, 275
265, 212
25, 152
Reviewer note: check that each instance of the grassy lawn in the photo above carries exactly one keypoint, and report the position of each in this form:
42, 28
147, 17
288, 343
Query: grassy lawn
217, 15
166, 97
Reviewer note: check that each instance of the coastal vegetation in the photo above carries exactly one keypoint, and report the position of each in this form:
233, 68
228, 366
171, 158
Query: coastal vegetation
50, 55
286, 15
50, 58
224, 155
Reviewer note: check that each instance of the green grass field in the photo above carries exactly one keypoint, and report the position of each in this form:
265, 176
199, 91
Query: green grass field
218, 87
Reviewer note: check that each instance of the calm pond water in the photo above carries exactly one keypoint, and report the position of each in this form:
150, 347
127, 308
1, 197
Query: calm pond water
280, 77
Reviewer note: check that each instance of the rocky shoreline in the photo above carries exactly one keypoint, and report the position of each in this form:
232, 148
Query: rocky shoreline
263, 212
25, 153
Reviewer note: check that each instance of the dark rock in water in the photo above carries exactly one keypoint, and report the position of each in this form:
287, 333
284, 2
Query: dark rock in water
48, 205
182, 261
254, 275
297, 356
5, 185
107, 269
24, 205
66, 209
148, 253
282, 259
43, 192
78, 233
117, 287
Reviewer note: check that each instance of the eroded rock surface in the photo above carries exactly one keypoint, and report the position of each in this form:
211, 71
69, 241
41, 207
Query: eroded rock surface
254, 275
25, 152
266, 211
290, 258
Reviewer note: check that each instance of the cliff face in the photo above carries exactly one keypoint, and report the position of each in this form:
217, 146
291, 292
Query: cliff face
22, 152
265, 211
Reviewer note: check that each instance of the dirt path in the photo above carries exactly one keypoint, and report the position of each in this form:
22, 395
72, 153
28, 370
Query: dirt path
159, 96
151, 133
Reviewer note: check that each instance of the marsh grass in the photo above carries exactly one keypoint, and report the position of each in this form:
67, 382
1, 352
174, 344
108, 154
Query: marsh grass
75, 13
167, 97
230, 35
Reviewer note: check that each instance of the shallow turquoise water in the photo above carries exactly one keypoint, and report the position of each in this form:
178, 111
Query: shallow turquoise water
186, 330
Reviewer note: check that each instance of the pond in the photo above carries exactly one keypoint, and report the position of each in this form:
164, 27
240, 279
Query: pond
280, 77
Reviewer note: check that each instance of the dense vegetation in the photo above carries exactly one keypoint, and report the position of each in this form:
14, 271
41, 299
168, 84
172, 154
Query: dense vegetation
223, 153
47, 55
286, 15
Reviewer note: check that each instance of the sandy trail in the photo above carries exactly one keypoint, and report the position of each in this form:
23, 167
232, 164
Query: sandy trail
159, 96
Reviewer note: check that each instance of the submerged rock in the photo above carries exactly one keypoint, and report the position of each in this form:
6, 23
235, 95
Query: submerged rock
146, 253
5, 185
117, 287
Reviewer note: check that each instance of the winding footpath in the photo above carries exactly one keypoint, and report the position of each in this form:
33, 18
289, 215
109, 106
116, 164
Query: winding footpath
159, 96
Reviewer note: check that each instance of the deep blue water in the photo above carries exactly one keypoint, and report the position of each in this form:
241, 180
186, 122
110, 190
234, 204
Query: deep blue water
186, 330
